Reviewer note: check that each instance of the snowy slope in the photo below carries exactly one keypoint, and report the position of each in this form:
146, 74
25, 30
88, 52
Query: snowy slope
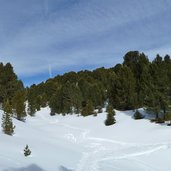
85, 144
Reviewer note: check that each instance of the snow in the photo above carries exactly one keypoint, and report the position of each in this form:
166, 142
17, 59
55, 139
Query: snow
72, 143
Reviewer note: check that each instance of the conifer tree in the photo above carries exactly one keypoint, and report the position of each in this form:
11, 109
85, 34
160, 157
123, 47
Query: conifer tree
18, 104
138, 115
31, 110
32, 96
7, 124
122, 91
9, 83
55, 103
168, 118
110, 120
87, 109
27, 151
134, 84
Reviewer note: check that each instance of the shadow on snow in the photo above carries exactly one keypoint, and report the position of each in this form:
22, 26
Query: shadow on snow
34, 167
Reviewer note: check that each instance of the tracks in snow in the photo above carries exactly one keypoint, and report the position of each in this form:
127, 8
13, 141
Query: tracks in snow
99, 150
105, 152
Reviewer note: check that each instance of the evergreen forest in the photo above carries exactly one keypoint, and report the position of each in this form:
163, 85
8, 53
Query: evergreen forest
133, 84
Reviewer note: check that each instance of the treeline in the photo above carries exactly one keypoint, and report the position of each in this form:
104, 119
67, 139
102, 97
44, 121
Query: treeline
12, 98
12, 91
135, 83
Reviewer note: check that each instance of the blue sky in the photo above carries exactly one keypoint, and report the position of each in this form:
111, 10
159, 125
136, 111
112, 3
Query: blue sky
37, 36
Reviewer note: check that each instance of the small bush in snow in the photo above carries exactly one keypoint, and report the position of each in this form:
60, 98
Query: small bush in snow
160, 120
27, 151
99, 108
138, 115
110, 120
95, 114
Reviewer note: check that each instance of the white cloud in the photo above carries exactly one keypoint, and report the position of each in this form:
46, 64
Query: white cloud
69, 33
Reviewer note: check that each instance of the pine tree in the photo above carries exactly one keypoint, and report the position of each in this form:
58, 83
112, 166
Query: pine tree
18, 103
31, 110
34, 98
122, 90
27, 151
110, 120
9, 83
138, 115
7, 124
87, 109
134, 84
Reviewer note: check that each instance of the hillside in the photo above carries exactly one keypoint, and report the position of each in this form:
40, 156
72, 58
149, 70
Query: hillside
85, 144
135, 83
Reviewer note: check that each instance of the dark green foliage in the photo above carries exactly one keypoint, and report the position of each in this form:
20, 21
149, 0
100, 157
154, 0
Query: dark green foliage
122, 93
138, 115
92, 90
100, 109
9, 87
139, 65
18, 104
87, 108
31, 110
37, 97
67, 99
110, 120
27, 151
160, 120
168, 118
7, 124
135, 83
9, 83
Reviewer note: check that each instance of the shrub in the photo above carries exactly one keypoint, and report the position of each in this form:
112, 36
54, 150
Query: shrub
27, 151
160, 120
95, 114
100, 109
138, 115
110, 120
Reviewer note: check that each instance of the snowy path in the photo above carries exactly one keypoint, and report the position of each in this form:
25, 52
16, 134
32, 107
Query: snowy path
99, 150
91, 159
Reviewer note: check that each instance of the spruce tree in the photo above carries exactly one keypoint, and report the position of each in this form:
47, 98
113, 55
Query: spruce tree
31, 110
88, 108
18, 104
138, 115
9, 83
7, 124
27, 151
110, 120
122, 90
134, 84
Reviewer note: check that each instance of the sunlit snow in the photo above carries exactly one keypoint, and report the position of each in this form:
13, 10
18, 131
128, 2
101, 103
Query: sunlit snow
72, 143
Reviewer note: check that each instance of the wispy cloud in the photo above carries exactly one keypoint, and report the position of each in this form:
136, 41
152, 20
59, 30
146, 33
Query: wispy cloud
79, 34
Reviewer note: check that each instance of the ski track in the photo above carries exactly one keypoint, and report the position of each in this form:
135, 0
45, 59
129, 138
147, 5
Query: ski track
100, 149
91, 159
146, 166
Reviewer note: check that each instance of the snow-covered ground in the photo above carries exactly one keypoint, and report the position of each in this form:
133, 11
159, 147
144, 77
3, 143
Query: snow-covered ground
85, 144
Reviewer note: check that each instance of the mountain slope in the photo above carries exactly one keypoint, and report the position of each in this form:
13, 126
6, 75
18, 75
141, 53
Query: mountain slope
86, 144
